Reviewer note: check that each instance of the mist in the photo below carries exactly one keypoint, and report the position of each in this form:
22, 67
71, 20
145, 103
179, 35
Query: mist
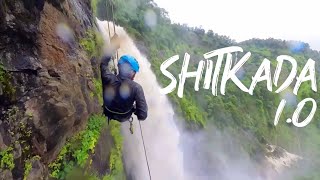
176, 153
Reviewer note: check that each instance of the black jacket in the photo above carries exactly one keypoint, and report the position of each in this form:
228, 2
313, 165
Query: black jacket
120, 94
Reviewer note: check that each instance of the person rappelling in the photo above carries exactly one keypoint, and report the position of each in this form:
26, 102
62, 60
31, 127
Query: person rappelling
122, 96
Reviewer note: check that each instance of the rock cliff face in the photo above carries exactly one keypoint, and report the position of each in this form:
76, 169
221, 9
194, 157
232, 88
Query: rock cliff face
45, 79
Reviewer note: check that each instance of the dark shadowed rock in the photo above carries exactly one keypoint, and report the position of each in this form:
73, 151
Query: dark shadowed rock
17, 151
2, 145
1, 89
5, 175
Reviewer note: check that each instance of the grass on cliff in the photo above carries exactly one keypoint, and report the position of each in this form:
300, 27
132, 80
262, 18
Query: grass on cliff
98, 92
6, 159
92, 43
28, 166
6, 87
115, 162
76, 152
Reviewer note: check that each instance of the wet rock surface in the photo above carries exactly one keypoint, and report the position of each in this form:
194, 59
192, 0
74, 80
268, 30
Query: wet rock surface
44, 92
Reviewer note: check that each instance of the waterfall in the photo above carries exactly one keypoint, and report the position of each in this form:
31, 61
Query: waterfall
177, 154
160, 132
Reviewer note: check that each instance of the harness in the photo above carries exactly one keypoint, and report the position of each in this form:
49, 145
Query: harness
118, 113
121, 113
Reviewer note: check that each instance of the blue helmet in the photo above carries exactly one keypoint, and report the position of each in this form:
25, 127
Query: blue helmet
130, 60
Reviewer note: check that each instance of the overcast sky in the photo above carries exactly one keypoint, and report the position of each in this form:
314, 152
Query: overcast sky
245, 19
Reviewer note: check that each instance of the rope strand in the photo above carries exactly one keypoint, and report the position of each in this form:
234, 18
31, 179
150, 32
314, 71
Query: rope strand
109, 30
117, 56
145, 152
114, 26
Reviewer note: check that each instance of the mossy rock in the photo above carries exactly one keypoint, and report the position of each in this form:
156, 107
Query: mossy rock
7, 90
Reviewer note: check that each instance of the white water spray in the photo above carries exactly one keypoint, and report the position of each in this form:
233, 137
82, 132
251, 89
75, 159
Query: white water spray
173, 153
160, 132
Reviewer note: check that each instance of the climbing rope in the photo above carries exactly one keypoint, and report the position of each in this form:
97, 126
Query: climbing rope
115, 71
144, 146
145, 152
114, 26
114, 33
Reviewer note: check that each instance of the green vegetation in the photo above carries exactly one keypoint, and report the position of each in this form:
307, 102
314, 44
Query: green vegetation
98, 92
236, 111
27, 169
28, 166
115, 163
6, 159
5, 83
77, 150
194, 116
92, 43
94, 4
89, 138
